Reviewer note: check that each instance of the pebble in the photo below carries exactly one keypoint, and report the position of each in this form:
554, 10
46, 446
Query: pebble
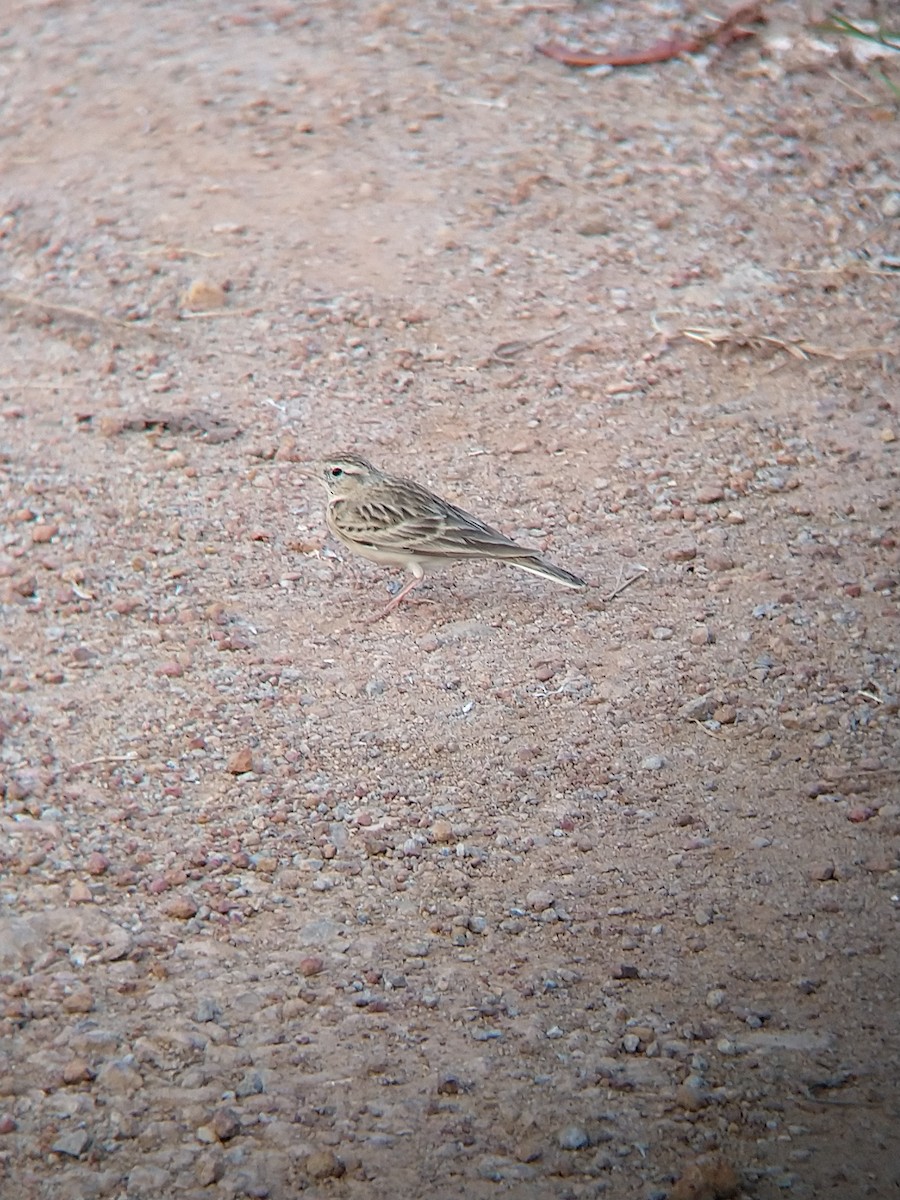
323, 1164
119, 1076
573, 1137
207, 1010
692, 1094
79, 1000
225, 1124
240, 761
710, 494
715, 998
681, 554
201, 296
77, 1070
701, 708
654, 762
711, 1177
539, 899
72, 1144
441, 831
97, 863
182, 908
8, 1123
42, 533
79, 892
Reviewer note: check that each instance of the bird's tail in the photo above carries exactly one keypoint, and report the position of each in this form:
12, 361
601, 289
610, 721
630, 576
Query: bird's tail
539, 566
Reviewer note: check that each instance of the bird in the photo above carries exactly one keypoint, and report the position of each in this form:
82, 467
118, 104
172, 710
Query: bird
400, 523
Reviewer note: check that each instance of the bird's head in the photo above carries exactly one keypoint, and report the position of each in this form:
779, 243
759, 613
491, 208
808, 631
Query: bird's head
346, 475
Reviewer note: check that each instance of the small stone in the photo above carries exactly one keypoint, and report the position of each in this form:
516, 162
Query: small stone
441, 831
225, 1124
324, 1164
715, 998
539, 899
251, 1085
8, 1123
119, 1076
626, 971
79, 892
77, 1070
182, 908
573, 1137
663, 633
209, 1167
42, 533
654, 762
97, 863
79, 1000
701, 708
692, 1094
73, 1144
240, 762
888, 436
311, 965
207, 1010
170, 670
709, 1178
725, 715
890, 206
710, 494
202, 295
631, 1043
681, 554
859, 813
716, 561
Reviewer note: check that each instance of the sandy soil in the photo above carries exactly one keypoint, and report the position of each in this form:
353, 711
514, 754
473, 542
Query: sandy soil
520, 892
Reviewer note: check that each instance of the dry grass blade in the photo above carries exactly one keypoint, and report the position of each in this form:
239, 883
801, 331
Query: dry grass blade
74, 311
213, 314
797, 348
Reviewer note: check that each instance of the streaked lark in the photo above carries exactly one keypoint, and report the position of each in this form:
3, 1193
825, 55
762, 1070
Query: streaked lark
399, 523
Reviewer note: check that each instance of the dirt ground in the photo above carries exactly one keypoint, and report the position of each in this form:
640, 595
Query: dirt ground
520, 892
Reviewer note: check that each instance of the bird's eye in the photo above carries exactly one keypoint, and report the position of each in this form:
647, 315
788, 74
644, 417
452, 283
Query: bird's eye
337, 472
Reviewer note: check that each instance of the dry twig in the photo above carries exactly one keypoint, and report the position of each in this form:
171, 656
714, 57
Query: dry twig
797, 348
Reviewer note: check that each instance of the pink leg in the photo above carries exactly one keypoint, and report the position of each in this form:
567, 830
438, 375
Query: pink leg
392, 603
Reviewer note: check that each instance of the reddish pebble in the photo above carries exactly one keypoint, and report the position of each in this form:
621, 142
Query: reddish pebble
97, 863
312, 965
710, 494
77, 1071
7, 1123
44, 533
172, 670
181, 907
240, 762
80, 893
158, 886
859, 813
681, 554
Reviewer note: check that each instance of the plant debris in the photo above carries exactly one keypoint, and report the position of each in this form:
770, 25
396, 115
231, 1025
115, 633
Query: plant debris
732, 28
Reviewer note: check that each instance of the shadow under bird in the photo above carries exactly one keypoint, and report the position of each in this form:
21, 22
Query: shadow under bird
399, 523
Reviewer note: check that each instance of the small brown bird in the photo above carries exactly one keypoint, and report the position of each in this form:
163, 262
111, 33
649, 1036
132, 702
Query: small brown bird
399, 523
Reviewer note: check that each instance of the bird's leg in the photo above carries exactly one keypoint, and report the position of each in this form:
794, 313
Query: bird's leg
418, 576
